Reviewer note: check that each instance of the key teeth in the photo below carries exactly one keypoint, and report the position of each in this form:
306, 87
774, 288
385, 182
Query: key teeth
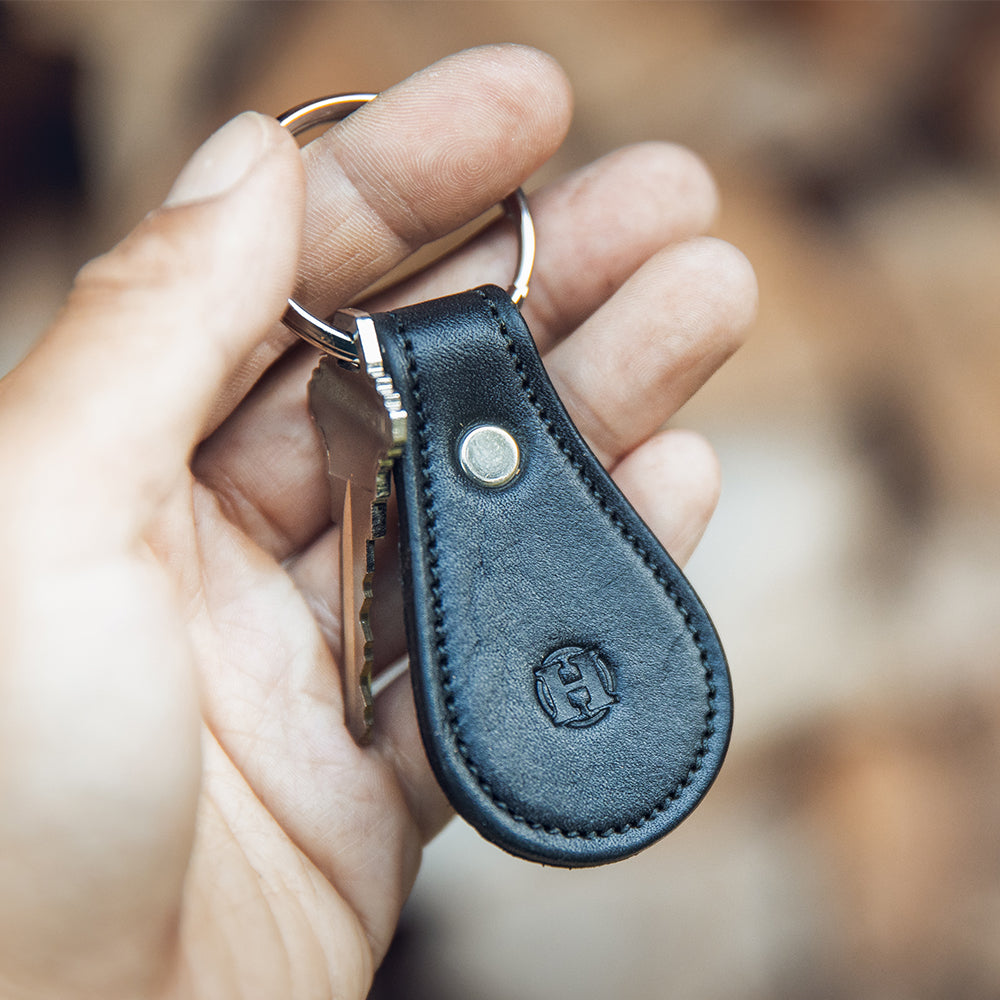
364, 615
379, 517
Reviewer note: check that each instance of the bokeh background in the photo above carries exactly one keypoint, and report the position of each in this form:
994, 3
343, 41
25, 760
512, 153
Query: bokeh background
850, 847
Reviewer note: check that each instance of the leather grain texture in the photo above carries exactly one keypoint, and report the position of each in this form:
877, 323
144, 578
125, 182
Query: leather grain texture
572, 694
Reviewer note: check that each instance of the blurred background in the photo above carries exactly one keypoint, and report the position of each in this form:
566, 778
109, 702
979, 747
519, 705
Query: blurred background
850, 847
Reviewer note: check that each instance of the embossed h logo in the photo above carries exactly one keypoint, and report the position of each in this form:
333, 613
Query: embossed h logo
575, 687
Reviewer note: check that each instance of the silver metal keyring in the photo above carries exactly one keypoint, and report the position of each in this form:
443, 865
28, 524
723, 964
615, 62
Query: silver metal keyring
337, 342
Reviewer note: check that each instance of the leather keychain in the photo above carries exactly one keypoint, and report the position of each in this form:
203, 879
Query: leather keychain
573, 697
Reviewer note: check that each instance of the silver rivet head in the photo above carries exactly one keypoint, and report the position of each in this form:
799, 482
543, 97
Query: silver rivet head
489, 455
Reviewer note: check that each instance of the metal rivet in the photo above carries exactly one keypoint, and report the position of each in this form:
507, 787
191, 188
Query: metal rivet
489, 455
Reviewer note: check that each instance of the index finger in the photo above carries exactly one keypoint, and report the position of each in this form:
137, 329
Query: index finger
421, 159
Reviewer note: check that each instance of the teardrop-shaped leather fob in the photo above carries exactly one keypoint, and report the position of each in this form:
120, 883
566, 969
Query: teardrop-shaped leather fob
572, 694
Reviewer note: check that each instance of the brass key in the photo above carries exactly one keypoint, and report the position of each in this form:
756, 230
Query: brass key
363, 424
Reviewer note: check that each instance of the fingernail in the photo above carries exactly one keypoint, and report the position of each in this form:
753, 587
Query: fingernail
221, 162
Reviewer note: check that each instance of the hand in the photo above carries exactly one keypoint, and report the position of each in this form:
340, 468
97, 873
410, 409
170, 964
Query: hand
181, 810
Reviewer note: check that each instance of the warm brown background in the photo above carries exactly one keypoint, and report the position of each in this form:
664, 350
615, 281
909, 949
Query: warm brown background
851, 848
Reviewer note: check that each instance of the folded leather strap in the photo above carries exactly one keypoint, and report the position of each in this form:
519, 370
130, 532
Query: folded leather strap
572, 694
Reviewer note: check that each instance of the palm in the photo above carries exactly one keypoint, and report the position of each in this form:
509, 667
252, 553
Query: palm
314, 830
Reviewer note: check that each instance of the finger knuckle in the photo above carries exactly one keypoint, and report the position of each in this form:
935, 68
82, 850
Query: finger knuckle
151, 257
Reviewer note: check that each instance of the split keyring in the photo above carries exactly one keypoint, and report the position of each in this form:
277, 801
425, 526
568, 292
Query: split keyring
336, 342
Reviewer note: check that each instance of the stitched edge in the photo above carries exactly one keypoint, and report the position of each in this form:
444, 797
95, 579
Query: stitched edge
440, 632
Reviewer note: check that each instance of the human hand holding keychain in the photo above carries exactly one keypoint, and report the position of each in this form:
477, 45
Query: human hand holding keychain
183, 810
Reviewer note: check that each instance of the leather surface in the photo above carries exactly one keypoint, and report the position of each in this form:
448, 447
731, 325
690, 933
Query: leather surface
572, 693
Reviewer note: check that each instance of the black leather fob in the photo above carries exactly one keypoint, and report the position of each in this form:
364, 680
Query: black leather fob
573, 696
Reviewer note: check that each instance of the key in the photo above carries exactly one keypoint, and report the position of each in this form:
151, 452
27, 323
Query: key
363, 426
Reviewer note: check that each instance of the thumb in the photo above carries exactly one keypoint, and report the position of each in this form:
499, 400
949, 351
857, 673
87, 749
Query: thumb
127, 375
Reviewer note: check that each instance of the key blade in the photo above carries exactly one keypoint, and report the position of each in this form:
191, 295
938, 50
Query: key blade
363, 427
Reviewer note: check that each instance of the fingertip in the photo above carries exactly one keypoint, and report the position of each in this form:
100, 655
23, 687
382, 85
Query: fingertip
674, 171
221, 162
693, 456
522, 80
695, 182
738, 284
545, 88
711, 284
496, 111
